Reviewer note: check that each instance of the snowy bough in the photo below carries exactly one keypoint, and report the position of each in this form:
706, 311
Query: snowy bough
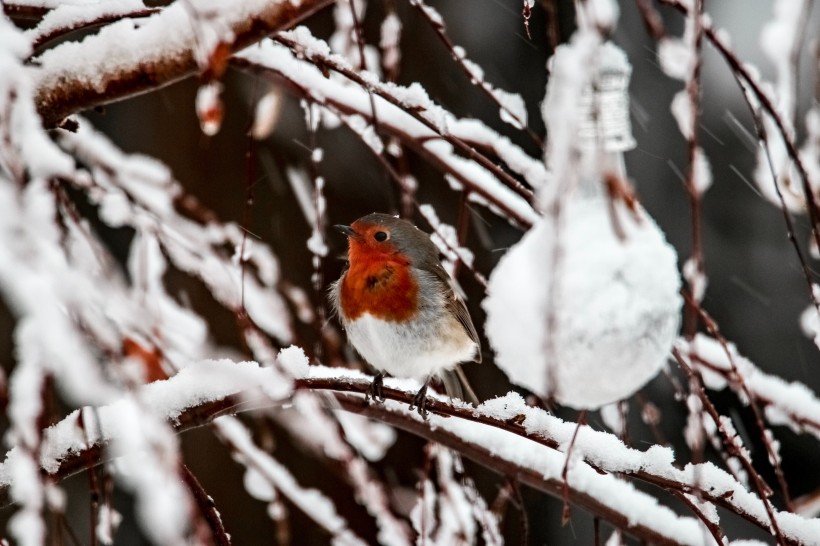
171, 373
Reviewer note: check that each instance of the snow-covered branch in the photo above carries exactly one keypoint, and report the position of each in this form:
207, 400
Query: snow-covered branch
396, 120
125, 58
503, 434
785, 403
748, 78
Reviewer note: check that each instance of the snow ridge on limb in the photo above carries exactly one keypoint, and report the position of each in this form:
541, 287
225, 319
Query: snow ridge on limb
124, 59
504, 434
791, 404
346, 100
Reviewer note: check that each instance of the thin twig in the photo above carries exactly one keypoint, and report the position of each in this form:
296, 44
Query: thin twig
693, 92
206, 507
566, 513
710, 525
469, 151
737, 377
731, 445
341, 109
522, 508
760, 127
437, 24
742, 72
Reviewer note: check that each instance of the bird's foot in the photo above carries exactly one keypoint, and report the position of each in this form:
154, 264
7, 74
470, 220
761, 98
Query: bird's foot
420, 401
375, 391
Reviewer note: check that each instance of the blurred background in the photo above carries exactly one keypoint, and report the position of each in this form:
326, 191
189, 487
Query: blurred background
756, 291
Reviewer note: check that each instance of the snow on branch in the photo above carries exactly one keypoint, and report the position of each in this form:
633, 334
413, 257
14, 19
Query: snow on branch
264, 469
137, 191
395, 119
79, 346
748, 77
512, 109
503, 434
67, 18
196, 395
126, 58
415, 101
785, 403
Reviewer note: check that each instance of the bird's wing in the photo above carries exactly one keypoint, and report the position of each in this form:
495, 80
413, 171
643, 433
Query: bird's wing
457, 306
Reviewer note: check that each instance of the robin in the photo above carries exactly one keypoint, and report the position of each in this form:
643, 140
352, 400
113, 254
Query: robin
399, 308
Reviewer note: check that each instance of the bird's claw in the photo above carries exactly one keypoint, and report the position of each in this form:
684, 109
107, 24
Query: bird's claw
375, 391
420, 402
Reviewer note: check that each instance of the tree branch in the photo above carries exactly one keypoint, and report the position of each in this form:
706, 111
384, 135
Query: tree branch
533, 426
167, 48
743, 74
396, 120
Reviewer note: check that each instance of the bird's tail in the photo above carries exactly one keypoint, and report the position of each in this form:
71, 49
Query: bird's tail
457, 386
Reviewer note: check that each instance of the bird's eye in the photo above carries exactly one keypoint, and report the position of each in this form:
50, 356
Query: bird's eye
380, 236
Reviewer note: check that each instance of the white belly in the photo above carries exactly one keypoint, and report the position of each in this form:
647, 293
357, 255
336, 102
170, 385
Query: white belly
416, 349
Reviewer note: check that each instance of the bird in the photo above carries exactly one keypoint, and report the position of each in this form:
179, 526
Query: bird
399, 307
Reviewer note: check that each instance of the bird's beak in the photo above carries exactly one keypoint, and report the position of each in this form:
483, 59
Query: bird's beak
347, 230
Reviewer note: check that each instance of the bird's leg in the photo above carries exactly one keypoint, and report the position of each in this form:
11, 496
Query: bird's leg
420, 400
376, 389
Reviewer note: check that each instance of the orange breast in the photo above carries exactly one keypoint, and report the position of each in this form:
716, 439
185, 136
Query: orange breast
384, 288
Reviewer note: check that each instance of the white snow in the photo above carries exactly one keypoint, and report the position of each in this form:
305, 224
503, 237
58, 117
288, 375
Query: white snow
258, 486
587, 293
366, 132
266, 114
194, 385
695, 278
619, 495
312, 502
477, 133
682, 112
166, 399
810, 318
784, 403
390, 41
194, 248
37, 153
561, 110
350, 99
209, 107
108, 520
777, 39
146, 454
602, 14
675, 57
701, 172
585, 307
445, 237
370, 438
293, 361
67, 15
302, 189
177, 31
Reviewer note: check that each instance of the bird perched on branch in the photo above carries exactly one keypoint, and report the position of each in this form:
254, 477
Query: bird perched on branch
399, 308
